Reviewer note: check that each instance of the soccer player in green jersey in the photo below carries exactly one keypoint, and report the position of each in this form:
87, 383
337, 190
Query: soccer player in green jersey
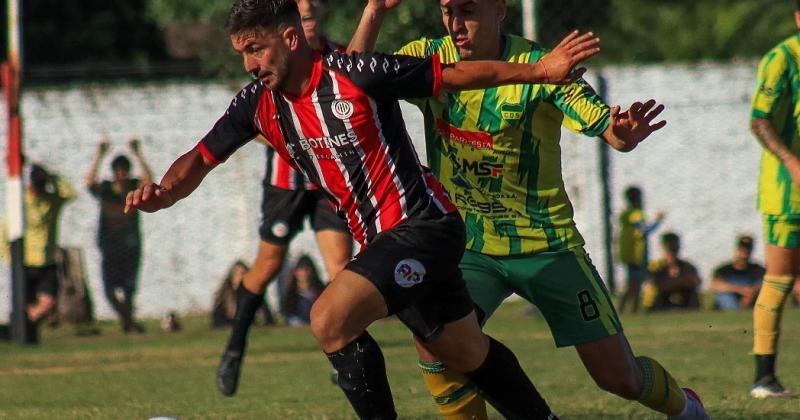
774, 121
497, 152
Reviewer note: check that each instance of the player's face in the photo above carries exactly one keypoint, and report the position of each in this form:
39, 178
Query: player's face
474, 26
265, 54
311, 13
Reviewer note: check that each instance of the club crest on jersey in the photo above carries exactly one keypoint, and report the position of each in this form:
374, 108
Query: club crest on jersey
342, 109
409, 272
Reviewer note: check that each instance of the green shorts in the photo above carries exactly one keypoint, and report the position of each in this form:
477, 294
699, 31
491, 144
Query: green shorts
564, 286
782, 230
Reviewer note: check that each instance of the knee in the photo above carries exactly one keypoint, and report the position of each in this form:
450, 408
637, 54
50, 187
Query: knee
328, 327
628, 386
463, 359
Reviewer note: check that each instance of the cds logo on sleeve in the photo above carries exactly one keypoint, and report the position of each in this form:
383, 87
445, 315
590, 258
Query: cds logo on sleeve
409, 272
342, 109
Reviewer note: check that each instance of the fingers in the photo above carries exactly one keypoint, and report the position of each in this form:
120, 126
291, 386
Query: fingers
144, 198
567, 39
578, 40
615, 112
650, 116
658, 126
584, 55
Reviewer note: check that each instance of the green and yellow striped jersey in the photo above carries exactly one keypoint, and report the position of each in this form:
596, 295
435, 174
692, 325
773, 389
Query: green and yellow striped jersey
497, 152
776, 99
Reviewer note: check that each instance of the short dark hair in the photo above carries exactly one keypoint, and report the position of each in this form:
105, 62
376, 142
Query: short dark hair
634, 193
247, 15
670, 237
39, 178
121, 162
745, 241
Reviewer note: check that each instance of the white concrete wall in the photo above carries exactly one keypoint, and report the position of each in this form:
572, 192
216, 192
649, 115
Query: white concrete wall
701, 170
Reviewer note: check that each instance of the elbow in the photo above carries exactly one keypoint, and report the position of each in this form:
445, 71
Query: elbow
758, 125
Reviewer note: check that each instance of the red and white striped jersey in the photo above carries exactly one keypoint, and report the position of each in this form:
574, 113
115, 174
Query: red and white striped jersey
346, 134
278, 172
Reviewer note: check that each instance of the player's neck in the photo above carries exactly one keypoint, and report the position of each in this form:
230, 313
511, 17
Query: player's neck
495, 52
300, 73
739, 264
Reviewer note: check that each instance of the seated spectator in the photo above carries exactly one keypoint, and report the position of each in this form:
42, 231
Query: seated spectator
224, 309
301, 291
676, 280
736, 283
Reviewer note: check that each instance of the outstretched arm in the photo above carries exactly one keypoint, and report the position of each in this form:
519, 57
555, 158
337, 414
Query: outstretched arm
627, 129
147, 175
91, 175
769, 138
182, 178
370, 25
557, 67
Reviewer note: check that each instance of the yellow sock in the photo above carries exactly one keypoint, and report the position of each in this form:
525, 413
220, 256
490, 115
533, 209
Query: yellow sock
661, 392
767, 313
456, 398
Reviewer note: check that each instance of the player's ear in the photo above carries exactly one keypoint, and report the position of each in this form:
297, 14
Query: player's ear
290, 37
501, 10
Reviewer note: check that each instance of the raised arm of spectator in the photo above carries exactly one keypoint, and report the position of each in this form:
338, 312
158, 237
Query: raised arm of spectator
147, 175
91, 175
369, 27
182, 178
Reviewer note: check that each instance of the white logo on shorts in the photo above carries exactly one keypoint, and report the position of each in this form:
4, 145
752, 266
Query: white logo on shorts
342, 109
280, 229
409, 272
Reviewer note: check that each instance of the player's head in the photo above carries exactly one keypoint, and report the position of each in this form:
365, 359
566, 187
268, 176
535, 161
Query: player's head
474, 26
744, 247
121, 166
39, 178
634, 196
265, 33
671, 243
797, 13
311, 14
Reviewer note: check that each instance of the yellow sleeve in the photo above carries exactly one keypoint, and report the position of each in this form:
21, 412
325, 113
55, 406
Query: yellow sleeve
416, 48
5, 247
584, 111
773, 82
65, 190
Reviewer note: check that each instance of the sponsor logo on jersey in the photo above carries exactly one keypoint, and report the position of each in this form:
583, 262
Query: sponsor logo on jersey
487, 207
342, 109
333, 142
280, 229
409, 272
511, 112
476, 139
482, 168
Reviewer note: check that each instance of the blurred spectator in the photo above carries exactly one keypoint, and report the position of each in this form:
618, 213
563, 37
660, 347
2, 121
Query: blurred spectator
170, 323
633, 250
676, 280
224, 310
302, 290
736, 283
45, 197
118, 236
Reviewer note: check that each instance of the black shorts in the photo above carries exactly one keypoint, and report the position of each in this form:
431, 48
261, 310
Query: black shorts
283, 212
40, 280
415, 267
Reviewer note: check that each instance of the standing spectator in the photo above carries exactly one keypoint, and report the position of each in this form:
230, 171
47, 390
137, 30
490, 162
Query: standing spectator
302, 290
45, 196
118, 236
676, 280
633, 250
736, 283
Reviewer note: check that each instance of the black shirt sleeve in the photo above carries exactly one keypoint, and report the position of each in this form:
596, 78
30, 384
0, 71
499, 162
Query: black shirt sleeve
390, 76
234, 129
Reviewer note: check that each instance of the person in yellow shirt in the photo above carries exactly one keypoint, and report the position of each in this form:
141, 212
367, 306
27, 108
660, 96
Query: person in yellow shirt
45, 197
632, 240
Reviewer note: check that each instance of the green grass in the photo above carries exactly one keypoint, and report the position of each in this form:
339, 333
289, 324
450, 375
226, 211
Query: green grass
112, 376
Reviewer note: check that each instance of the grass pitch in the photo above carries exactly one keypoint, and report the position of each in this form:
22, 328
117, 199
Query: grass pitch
285, 376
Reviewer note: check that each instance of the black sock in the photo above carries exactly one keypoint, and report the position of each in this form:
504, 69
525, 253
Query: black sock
506, 387
362, 377
765, 366
246, 305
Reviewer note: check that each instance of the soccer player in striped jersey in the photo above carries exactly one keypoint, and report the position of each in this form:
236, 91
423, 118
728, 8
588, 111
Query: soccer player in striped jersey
497, 153
336, 118
287, 200
774, 122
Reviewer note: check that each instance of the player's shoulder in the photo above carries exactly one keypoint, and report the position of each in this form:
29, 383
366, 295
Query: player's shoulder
249, 94
426, 47
787, 49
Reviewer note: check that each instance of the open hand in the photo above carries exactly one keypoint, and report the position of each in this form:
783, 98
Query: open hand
383, 4
629, 128
148, 198
559, 64
102, 147
134, 144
